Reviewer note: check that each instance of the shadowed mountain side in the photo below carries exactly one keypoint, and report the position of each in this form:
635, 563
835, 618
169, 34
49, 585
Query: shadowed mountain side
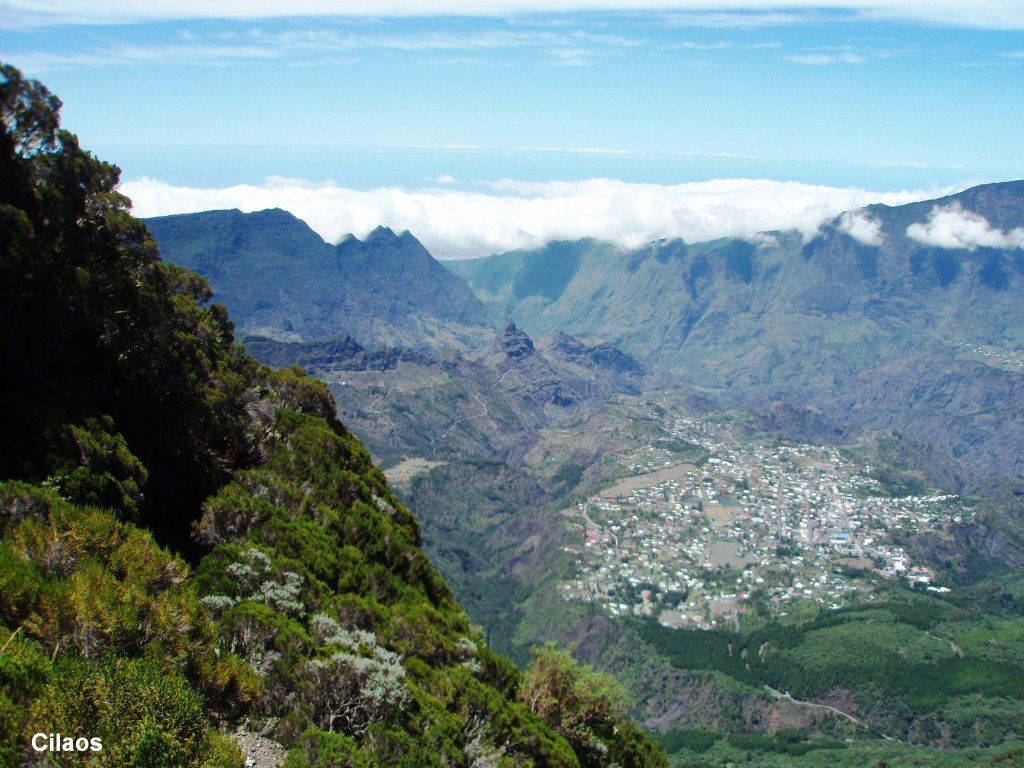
490, 402
878, 330
282, 281
339, 354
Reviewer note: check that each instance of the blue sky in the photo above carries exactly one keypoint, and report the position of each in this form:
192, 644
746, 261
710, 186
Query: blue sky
874, 95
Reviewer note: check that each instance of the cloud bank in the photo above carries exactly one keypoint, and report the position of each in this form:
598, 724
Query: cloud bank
952, 227
997, 14
511, 214
861, 228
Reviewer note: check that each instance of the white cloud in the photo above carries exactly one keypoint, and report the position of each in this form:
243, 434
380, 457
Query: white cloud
695, 46
765, 240
327, 45
133, 55
516, 214
861, 227
951, 226
822, 59
844, 54
998, 14
739, 19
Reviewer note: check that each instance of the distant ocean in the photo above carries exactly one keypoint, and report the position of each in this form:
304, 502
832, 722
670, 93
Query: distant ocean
470, 168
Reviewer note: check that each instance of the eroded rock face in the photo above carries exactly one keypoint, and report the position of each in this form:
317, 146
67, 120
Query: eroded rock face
339, 354
513, 343
602, 355
259, 751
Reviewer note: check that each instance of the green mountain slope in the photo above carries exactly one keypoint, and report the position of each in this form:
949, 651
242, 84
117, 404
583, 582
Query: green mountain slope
305, 610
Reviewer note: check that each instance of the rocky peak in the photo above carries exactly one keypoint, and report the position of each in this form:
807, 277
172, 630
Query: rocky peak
383, 247
513, 342
381, 233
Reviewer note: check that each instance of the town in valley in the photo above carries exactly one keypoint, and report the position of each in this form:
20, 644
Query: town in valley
752, 522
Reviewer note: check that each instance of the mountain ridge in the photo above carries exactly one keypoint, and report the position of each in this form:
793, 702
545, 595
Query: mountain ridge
856, 329
283, 281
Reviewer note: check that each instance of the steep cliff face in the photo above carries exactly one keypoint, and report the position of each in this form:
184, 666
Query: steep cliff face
338, 354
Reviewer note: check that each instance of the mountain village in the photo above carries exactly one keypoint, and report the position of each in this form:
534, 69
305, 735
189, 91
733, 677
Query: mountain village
756, 523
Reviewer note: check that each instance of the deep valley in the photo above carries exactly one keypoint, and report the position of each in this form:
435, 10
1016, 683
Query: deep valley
750, 440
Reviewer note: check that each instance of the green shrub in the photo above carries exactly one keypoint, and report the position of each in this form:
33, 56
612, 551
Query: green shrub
318, 749
11, 727
222, 751
146, 715
587, 708
19, 585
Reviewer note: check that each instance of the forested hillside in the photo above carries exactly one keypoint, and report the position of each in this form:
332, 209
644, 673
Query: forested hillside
191, 543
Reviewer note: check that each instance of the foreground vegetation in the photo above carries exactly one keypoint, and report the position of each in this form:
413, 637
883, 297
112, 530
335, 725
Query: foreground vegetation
191, 542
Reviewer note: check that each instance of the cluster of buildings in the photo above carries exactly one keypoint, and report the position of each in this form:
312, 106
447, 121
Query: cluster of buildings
1000, 358
756, 523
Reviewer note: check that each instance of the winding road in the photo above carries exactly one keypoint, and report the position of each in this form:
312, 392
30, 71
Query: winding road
813, 705
483, 412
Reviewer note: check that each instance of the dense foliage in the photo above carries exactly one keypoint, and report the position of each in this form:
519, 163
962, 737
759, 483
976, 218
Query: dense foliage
587, 708
919, 670
298, 603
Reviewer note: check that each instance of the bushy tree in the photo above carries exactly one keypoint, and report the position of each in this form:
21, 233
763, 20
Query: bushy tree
588, 708
105, 346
